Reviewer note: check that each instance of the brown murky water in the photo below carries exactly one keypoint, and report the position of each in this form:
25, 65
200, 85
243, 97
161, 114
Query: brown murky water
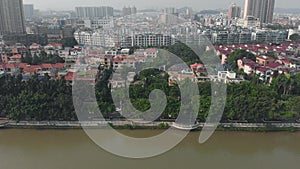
72, 149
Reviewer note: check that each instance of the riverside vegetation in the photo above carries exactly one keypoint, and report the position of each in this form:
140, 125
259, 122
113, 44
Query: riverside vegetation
249, 101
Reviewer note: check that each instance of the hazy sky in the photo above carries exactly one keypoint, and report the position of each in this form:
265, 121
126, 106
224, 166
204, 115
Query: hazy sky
142, 4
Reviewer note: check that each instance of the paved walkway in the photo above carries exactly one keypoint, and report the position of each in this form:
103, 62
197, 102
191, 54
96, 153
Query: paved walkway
136, 123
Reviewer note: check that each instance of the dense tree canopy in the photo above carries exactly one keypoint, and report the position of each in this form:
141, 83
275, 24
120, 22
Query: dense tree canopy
69, 42
185, 53
35, 99
249, 101
295, 37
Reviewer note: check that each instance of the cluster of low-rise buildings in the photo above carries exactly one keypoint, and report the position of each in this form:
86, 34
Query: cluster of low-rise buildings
271, 59
267, 67
89, 58
199, 73
12, 60
134, 31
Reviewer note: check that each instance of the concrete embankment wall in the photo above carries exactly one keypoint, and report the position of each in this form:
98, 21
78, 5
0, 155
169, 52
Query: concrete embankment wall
86, 124
141, 124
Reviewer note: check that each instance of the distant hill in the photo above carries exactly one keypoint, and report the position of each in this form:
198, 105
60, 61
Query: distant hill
182, 10
147, 10
287, 10
118, 11
213, 11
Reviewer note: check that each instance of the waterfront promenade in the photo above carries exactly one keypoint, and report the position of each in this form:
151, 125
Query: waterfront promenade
143, 124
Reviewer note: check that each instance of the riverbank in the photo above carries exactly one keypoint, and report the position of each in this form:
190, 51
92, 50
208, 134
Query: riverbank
82, 124
254, 127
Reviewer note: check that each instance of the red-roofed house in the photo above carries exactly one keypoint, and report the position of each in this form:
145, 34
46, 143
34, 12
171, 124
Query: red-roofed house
15, 59
117, 62
35, 47
275, 66
22, 65
124, 61
59, 66
11, 68
47, 68
224, 53
54, 46
198, 68
89, 76
69, 76
151, 52
247, 65
142, 59
264, 60
102, 59
32, 69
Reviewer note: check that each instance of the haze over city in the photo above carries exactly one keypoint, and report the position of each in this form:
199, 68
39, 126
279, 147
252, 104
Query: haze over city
118, 4
164, 84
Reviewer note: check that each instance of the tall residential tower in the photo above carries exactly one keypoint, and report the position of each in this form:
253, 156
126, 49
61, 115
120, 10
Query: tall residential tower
234, 11
94, 12
12, 17
28, 10
261, 9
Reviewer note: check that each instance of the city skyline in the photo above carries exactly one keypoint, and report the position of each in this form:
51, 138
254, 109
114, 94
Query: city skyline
154, 4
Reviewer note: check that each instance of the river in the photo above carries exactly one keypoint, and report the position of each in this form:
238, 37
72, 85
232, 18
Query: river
72, 149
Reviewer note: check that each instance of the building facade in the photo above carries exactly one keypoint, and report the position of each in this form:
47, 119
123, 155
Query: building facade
129, 11
146, 40
99, 23
234, 11
94, 12
28, 11
12, 17
261, 9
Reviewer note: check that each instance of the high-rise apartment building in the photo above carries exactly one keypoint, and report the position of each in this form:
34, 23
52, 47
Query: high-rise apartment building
261, 9
28, 11
133, 10
170, 10
129, 11
94, 12
169, 16
234, 11
12, 17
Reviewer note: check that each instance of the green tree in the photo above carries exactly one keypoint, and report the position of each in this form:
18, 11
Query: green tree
239, 54
69, 42
295, 37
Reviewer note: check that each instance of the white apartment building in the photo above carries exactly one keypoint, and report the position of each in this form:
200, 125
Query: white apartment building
99, 23
83, 37
95, 38
146, 40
